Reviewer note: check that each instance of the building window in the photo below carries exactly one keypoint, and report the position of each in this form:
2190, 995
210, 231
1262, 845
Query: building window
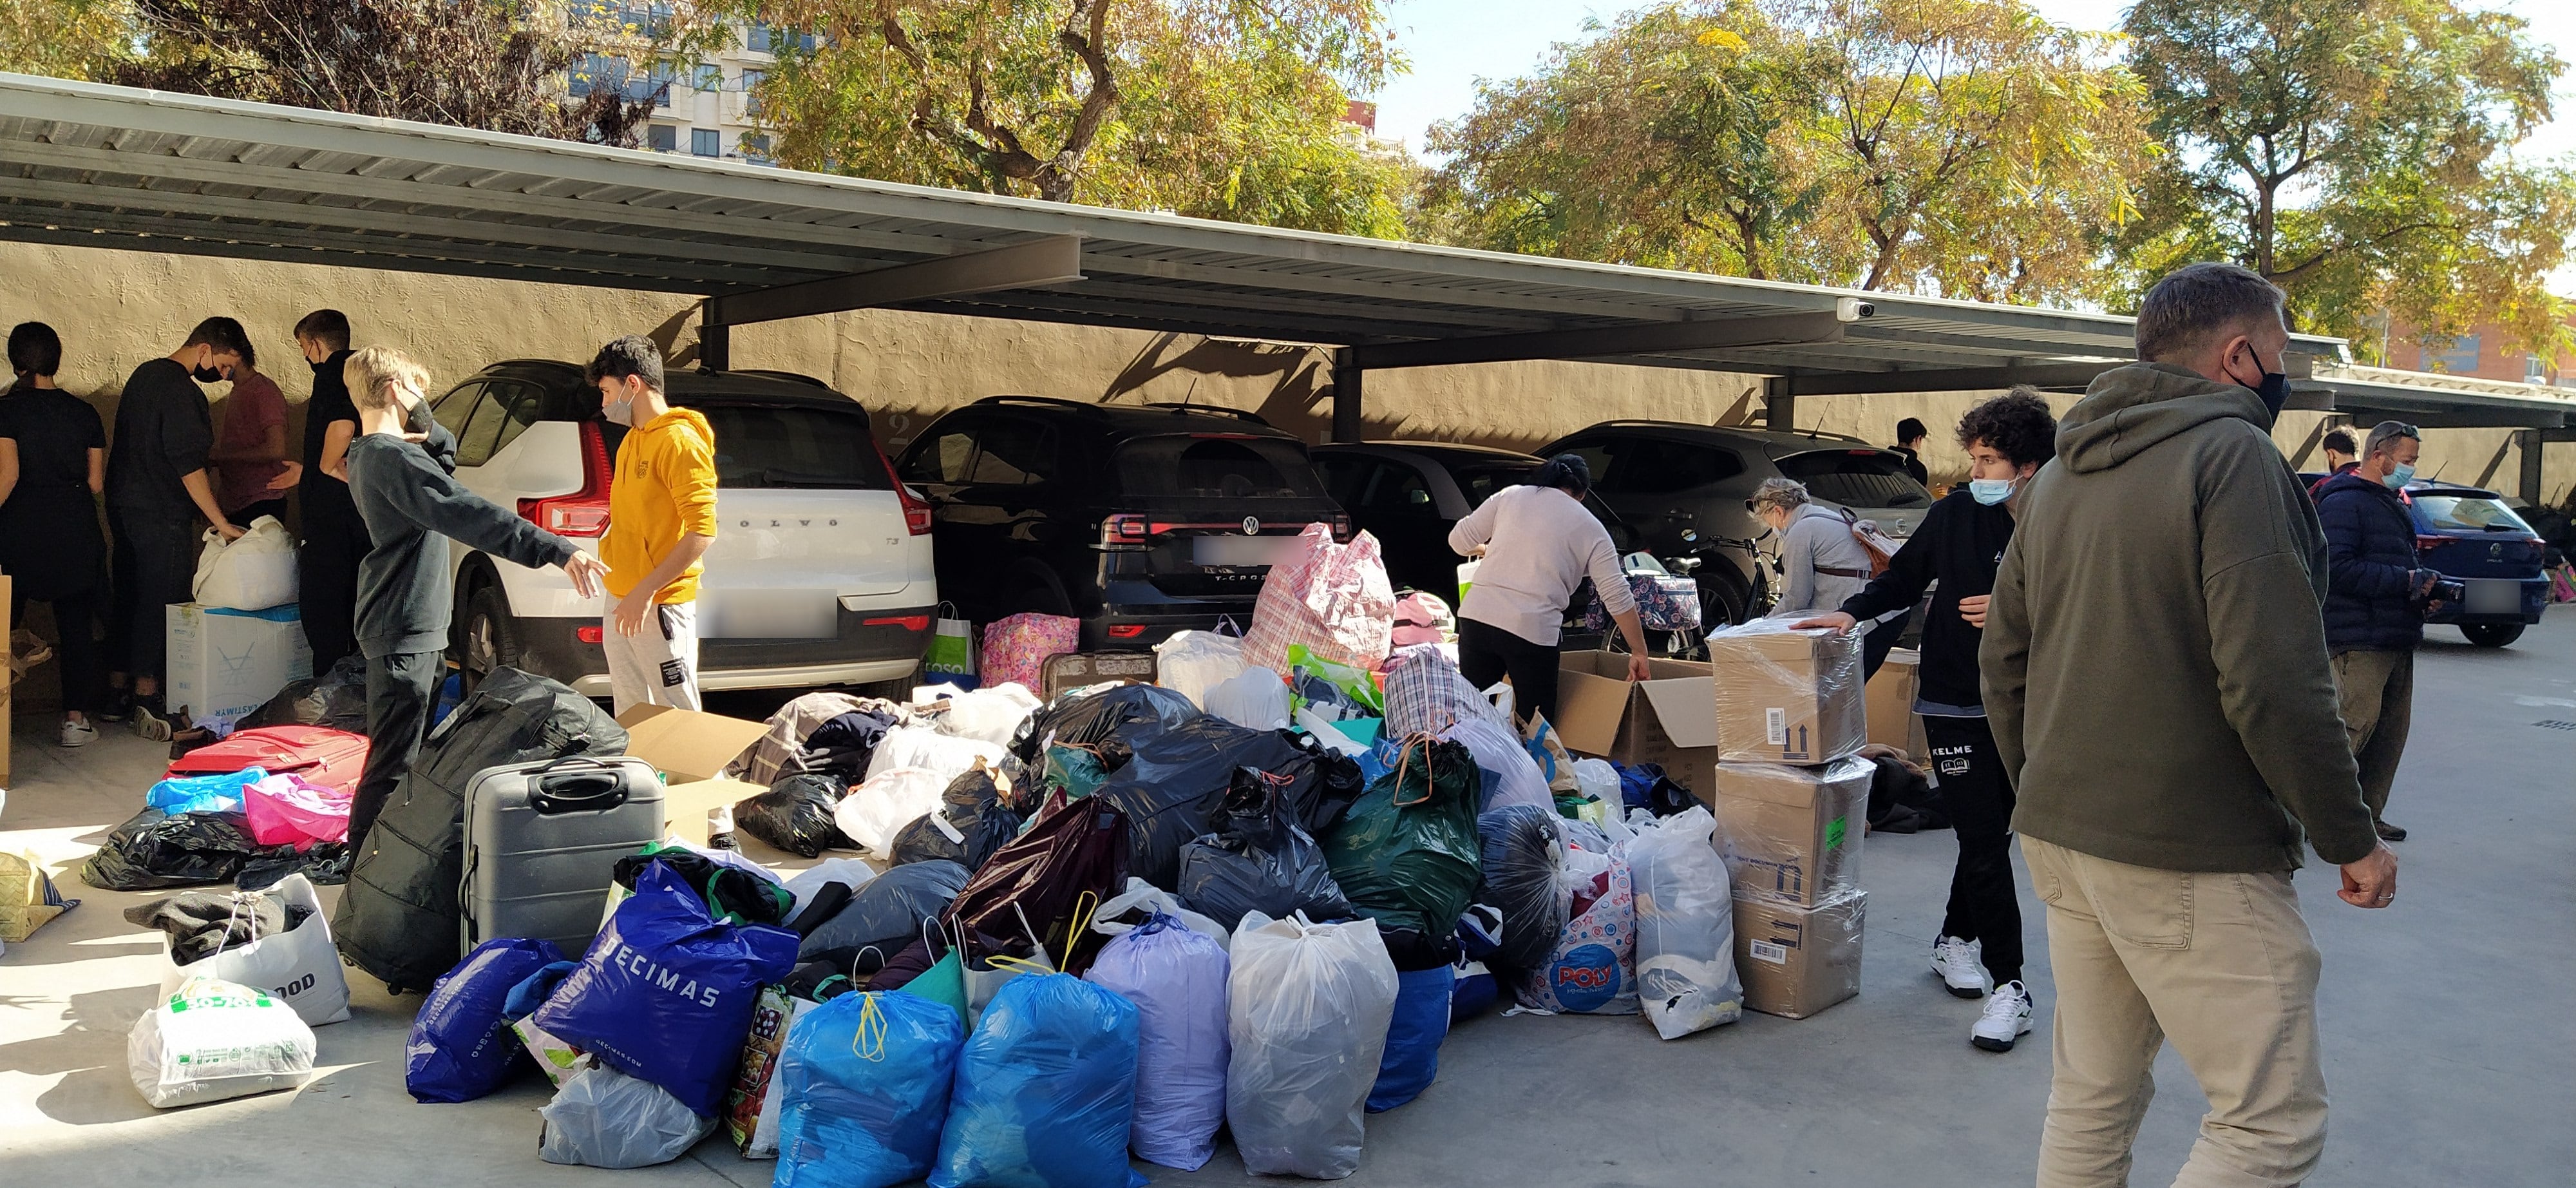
756, 38
596, 70
710, 78
751, 80
706, 142
754, 147
2460, 359
662, 138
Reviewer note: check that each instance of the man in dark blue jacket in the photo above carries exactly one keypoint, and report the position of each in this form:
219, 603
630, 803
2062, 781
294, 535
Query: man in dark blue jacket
2375, 603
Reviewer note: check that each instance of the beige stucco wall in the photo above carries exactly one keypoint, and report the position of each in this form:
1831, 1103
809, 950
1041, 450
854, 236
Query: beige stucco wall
116, 309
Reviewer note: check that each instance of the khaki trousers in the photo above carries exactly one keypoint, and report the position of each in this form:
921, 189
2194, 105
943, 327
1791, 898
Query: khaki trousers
2378, 693
2222, 965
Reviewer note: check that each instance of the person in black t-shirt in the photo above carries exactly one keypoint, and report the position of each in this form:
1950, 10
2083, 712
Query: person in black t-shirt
1961, 545
335, 539
53, 462
157, 486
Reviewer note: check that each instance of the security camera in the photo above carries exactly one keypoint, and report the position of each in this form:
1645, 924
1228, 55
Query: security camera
1853, 309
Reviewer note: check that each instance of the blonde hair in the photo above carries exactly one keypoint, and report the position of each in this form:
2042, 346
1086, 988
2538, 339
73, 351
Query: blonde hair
371, 374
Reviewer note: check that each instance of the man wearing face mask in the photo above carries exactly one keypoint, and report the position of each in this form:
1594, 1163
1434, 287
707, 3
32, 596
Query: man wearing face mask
2156, 676
661, 520
1960, 544
2375, 606
157, 488
401, 476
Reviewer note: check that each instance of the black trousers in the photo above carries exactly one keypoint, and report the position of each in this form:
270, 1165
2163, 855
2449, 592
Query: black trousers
76, 620
335, 541
401, 689
1487, 654
155, 563
1984, 905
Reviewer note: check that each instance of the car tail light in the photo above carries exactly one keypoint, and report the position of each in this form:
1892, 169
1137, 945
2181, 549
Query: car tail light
907, 622
584, 512
1126, 630
591, 634
916, 514
2431, 542
1341, 528
1127, 532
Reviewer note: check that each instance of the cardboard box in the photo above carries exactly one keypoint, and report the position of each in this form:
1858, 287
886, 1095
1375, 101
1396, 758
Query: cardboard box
1665, 720
1890, 702
27, 895
1793, 834
689, 748
1797, 961
225, 663
1787, 696
1073, 670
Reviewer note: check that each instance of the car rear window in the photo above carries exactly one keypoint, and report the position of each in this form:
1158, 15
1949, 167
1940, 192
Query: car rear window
794, 446
1856, 478
1478, 483
1216, 467
2468, 513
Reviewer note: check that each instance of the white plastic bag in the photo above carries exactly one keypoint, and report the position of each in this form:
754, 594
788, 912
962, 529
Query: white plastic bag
1329, 735
1510, 776
1686, 977
1308, 1007
253, 572
1193, 662
1599, 781
926, 747
211, 1039
604, 1118
299, 966
875, 811
1141, 894
1255, 699
987, 715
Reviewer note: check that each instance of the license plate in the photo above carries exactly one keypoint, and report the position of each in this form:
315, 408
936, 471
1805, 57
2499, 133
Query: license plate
2494, 596
1238, 550
768, 614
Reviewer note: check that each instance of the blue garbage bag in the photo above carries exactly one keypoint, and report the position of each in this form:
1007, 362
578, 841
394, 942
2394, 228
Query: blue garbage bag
1176, 978
218, 793
666, 993
534, 989
866, 1079
461, 1047
1046, 1090
1413, 1037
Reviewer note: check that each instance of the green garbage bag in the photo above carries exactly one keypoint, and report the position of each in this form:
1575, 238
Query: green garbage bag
1406, 854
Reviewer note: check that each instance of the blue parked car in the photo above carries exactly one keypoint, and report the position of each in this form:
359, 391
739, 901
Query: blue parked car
2470, 536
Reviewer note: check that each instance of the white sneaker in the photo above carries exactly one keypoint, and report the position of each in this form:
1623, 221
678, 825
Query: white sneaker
77, 734
2005, 1019
1957, 962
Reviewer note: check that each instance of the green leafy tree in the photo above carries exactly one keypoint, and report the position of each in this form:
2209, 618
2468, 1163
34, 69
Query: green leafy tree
2359, 154
1206, 107
60, 38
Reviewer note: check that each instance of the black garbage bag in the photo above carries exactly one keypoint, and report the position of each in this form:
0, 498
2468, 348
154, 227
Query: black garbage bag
795, 815
841, 748
326, 864
1261, 860
399, 920
887, 911
1323, 783
1521, 859
1176, 779
978, 823
1090, 718
155, 849
337, 699
730, 892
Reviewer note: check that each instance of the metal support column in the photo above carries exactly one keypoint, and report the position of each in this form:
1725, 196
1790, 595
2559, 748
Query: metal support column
715, 344
1347, 395
1779, 405
2529, 441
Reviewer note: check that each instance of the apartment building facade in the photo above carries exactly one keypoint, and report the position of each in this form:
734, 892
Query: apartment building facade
709, 109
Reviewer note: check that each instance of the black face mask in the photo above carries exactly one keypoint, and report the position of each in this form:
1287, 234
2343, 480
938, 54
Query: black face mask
206, 375
419, 420
2274, 392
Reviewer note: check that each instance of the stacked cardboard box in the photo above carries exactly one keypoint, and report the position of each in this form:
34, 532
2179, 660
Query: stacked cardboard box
1792, 807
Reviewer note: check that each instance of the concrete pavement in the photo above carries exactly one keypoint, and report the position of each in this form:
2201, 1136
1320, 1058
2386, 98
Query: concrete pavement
2448, 1024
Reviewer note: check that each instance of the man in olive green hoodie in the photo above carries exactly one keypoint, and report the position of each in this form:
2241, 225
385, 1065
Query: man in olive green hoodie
2155, 672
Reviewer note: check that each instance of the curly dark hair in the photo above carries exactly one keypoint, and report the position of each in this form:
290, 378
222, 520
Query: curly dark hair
2016, 424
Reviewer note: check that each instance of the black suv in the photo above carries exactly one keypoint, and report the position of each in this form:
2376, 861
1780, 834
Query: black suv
1140, 520
1679, 490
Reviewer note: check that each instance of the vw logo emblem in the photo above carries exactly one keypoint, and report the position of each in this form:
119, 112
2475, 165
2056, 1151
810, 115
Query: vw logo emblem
2495, 552
1252, 525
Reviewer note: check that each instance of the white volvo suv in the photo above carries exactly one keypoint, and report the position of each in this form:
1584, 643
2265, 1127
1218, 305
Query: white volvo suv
821, 570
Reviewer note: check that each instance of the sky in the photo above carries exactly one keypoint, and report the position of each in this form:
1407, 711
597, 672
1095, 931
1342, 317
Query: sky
1454, 42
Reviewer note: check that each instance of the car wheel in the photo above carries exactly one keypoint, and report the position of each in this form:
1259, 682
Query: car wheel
487, 636
1721, 604
2491, 635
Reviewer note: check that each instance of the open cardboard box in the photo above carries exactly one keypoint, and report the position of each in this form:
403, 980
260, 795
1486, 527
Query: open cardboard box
1669, 720
690, 748
1892, 720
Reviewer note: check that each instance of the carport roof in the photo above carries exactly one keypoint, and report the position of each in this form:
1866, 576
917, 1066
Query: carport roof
2433, 400
95, 165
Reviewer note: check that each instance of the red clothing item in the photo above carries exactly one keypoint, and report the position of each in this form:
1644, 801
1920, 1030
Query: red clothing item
252, 408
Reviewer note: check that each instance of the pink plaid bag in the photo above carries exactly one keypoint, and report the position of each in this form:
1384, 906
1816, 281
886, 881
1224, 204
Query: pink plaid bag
1334, 599
1016, 648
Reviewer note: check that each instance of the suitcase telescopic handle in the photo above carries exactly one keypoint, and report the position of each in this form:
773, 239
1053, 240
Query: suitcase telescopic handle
588, 786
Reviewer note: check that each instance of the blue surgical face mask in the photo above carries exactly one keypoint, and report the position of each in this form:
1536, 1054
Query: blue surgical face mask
2399, 475
1992, 491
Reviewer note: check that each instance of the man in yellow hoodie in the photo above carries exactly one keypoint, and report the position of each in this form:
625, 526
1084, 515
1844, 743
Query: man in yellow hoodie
661, 519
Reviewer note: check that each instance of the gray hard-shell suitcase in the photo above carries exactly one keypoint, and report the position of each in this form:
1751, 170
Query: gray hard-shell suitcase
542, 841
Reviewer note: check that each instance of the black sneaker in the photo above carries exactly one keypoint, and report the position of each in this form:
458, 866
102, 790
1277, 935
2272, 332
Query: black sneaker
119, 707
2388, 832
